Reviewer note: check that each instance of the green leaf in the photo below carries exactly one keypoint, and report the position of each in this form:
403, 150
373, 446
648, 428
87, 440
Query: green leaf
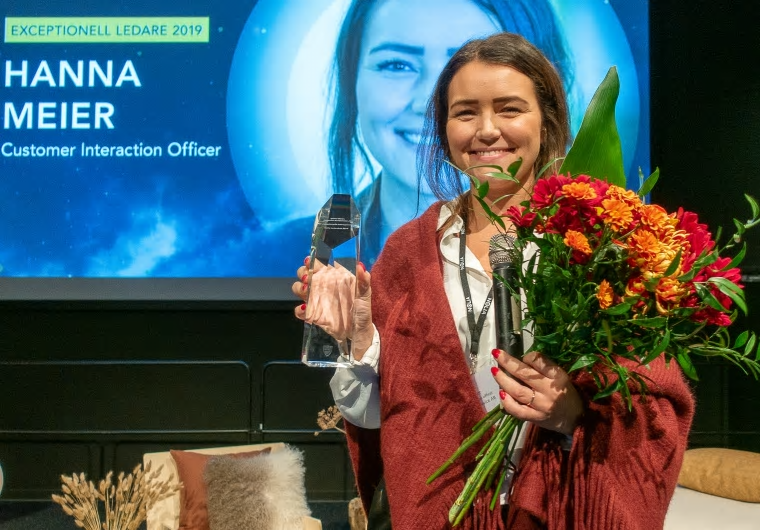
701, 262
707, 297
737, 259
582, 362
514, 167
495, 218
596, 149
653, 322
674, 265
548, 165
609, 390
685, 363
725, 283
649, 183
619, 309
741, 340
740, 228
659, 348
750, 345
753, 204
503, 176
687, 277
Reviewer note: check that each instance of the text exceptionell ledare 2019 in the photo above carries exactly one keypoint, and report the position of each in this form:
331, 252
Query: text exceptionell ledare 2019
186, 149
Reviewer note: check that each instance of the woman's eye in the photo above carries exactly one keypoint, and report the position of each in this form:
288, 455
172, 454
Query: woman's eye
463, 113
512, 111
395, 65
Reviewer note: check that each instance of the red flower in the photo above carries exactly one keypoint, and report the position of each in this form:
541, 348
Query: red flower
636, 288
697, 236
577, 201
711, 315
520, 216
547, 190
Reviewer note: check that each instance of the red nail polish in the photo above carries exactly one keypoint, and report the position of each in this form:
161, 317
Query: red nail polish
303, 287
304, 278
303, 307
495, 352
360, 264
494, 370
502, 395
306, 261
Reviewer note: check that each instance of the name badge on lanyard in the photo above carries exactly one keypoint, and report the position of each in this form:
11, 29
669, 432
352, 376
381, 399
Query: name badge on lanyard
476, 328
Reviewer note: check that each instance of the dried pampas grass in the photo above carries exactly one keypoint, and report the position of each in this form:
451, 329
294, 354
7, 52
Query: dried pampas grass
125, 503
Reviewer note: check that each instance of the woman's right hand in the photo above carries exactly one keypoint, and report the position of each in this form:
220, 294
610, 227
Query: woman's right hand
334, 301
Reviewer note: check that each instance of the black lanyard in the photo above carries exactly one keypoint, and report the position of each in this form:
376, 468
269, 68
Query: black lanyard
476, 328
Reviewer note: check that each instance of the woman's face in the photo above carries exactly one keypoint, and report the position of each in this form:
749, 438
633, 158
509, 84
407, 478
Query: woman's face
405, 46
493, 118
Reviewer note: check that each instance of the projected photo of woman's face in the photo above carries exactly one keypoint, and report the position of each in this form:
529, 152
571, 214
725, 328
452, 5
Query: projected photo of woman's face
399, 62
329, 96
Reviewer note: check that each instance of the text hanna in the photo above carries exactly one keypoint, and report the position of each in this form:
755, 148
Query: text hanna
68, 74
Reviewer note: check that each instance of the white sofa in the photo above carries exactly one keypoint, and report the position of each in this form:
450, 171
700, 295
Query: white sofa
693, 510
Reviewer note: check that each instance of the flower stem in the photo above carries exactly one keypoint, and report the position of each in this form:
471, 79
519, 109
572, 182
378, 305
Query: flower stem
485, 471
480, 429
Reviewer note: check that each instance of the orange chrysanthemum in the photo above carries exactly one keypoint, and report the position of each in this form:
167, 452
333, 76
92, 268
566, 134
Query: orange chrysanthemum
579, 191
668, 294
618, 214
651, 254
627, 196
577, 241
605, 294
656, 218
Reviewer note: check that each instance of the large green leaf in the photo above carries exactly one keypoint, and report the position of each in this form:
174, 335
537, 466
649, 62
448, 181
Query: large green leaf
596, 150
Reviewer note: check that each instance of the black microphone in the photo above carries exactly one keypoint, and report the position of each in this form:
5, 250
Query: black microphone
506, 306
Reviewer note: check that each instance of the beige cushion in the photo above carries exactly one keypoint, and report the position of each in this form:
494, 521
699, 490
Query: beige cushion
725, 473
165, 514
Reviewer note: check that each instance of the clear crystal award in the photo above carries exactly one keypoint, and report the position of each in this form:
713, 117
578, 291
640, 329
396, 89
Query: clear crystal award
332, 284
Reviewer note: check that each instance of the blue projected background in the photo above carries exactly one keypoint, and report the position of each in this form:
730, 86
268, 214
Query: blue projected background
180, 176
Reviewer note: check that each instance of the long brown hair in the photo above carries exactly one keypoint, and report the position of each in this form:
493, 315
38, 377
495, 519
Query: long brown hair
501, 49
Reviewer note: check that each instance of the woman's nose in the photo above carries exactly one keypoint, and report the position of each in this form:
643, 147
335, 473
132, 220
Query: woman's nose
423, 88
487, 129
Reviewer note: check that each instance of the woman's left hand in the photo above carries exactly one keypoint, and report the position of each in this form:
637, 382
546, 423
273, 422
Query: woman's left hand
539, 391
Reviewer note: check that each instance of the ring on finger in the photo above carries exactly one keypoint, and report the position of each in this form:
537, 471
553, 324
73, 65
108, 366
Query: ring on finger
529, 403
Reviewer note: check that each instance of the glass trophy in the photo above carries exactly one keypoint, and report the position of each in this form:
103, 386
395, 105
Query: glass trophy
332, 284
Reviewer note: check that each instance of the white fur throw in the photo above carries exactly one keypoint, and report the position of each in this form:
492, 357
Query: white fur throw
262, 493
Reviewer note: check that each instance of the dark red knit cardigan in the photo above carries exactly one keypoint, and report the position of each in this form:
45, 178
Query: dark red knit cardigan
620, 473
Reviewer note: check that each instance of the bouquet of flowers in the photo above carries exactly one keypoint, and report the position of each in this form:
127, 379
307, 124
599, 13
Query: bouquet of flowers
606, 277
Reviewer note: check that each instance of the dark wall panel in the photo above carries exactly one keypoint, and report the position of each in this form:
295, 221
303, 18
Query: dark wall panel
125, 396
706, 109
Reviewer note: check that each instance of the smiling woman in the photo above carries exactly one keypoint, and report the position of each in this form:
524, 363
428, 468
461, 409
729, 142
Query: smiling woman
434, 364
